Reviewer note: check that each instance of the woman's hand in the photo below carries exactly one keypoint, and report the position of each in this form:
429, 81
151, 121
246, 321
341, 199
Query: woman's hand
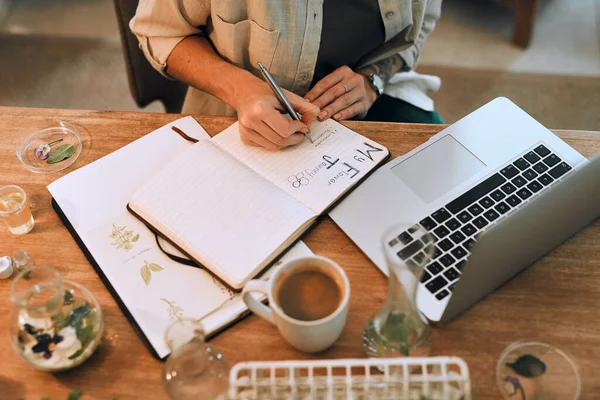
343, 94
262, 122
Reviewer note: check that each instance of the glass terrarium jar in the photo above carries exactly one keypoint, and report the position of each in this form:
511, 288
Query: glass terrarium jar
55, 324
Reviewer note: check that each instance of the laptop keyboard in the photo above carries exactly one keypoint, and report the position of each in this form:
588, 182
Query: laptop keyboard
457, 225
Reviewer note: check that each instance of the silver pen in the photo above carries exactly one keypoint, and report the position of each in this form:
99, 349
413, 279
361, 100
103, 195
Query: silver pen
280, 96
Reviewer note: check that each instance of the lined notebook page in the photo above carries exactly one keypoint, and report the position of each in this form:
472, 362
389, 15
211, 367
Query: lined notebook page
219, 211
314, 173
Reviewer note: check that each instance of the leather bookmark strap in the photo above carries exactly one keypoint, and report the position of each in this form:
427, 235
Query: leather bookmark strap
183, 135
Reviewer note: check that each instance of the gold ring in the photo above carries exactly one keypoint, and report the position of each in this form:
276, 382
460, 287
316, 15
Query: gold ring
345, 88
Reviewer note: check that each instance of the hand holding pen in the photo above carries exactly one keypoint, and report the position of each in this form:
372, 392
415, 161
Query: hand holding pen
261, 120
285, 103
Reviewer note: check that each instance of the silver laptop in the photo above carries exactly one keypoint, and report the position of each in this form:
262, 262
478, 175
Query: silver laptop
498, 191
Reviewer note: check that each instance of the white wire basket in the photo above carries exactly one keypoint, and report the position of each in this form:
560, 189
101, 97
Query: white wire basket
427, 378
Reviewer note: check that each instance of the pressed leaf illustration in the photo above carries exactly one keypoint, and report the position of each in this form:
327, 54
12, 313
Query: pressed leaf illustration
175, 312
155, 267
147, 269
146, 274
122, 238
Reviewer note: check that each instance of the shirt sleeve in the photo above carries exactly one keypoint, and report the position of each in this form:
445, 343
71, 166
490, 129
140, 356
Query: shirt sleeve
432, 14
160, 25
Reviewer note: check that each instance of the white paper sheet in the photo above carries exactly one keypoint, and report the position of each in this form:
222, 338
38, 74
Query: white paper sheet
155, 289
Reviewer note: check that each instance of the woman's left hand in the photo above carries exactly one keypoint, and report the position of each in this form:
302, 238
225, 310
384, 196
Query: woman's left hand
343, 94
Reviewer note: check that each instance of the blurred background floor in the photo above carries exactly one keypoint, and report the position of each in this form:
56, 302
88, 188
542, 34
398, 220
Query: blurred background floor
67, 54
63, 54
556, 79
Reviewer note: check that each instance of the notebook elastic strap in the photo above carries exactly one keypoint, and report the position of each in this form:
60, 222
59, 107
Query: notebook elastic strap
173, 257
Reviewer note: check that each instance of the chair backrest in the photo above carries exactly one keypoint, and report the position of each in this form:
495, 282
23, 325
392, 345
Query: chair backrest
145, 83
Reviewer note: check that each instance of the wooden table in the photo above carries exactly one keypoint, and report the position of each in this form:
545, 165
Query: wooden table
556, 300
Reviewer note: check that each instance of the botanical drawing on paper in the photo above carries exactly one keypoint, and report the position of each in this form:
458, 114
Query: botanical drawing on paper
175, 312
122, 238
147, 270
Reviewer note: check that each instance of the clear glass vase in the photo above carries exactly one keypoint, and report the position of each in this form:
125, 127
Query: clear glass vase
55, 324
398, 329
194, 370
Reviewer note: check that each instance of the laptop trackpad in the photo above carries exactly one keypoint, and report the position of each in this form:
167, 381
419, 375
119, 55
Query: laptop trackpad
438, 168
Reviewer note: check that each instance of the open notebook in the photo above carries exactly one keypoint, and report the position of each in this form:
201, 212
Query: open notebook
233, 208
151, 289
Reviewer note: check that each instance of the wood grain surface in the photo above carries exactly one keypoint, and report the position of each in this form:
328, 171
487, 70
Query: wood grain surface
556, 300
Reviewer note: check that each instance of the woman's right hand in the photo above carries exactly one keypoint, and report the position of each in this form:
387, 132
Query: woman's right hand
262, 118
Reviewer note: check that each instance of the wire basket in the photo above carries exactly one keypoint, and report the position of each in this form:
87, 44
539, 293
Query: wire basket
427, 378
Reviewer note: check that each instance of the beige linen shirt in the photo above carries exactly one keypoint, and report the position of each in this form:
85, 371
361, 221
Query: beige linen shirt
284, 35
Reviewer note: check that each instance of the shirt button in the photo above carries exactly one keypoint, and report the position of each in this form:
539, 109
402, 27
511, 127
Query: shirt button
303, 77
389, 14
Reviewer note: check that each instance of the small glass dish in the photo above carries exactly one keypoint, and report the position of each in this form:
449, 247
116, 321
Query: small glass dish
63, 134
529, 370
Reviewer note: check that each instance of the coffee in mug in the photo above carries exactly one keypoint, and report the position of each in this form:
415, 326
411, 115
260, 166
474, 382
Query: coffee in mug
308, 293
308, 301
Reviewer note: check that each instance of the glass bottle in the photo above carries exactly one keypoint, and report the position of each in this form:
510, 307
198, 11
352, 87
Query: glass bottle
398, 329
22, 260
194, 370
55, 324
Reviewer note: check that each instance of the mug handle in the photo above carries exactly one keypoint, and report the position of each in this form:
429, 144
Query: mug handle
254, 305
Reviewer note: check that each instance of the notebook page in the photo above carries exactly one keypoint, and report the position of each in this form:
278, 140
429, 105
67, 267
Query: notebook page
314, 173
220, 212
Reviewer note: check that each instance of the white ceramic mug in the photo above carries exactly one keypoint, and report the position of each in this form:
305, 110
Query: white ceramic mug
307, 336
